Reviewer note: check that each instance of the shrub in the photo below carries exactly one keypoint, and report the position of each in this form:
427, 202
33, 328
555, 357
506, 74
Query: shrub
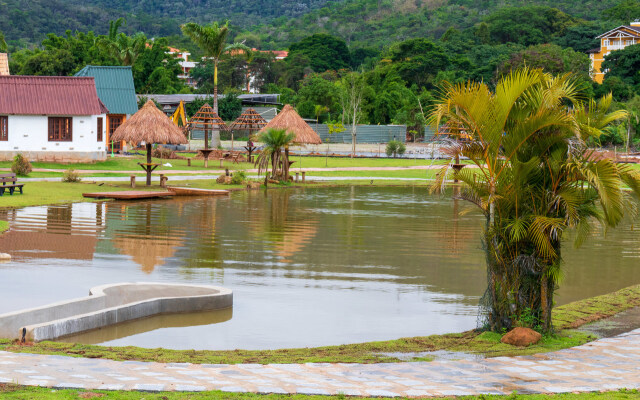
21, 166
71, 175
238, 177
165, 153
395, 147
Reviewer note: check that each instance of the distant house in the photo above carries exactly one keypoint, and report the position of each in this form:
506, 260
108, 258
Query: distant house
615, 39
116, 90
51, 118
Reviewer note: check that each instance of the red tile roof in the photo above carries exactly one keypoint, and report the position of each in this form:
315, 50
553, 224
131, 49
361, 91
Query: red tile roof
49, 95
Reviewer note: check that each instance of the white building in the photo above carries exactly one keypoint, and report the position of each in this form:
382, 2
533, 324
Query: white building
51, 118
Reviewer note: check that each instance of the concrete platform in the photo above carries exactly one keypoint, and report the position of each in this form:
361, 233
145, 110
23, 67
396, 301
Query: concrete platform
128, 195
111, 304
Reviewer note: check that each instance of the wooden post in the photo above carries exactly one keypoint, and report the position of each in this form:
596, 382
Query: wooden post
188, 162
206, 162
297, 176
226, 171
303, 176
221, 162
133, 181
149, 164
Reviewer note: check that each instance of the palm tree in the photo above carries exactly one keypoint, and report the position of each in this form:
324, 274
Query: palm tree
3, 44
123, 48
275, 140
533, 180
212, 40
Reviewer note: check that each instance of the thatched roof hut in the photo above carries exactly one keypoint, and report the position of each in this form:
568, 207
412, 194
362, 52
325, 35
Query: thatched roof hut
289, 119
149, 125
208, 121
249, 120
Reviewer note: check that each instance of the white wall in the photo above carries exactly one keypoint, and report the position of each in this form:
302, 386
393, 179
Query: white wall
28, 134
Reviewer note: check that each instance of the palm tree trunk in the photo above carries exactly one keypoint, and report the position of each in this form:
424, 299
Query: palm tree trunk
544, 303
215, 86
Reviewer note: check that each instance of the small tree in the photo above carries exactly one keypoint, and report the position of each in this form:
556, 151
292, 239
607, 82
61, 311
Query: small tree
21, 166
395, 147
275, 141
352, 86
333, 128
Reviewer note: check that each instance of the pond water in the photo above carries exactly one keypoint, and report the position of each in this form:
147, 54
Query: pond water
308, 267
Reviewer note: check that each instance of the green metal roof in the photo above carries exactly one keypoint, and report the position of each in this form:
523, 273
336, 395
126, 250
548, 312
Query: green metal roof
115, 87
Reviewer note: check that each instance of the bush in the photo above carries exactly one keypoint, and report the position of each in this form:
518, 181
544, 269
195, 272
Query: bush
165, 153
21, 166
71, 175
238, 177
395, 147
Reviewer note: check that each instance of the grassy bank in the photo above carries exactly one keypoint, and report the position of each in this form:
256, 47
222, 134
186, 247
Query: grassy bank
565, 317
15, 392
42, 193
4, 225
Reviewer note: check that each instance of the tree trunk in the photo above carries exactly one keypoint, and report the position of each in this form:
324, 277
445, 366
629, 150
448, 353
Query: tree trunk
149, 162
285, 164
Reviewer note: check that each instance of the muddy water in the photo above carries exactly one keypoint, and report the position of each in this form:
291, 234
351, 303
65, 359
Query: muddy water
308, 267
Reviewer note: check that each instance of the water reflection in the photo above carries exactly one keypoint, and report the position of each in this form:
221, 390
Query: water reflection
308, 267
136, 327
60, 231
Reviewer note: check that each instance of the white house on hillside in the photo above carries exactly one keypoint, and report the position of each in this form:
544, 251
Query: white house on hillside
51, 118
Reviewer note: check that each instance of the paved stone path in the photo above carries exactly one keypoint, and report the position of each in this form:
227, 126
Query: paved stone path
606, 364
254, 170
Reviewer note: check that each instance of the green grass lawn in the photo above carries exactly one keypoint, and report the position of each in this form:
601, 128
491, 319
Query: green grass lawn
4, 225
130, 163
15, 392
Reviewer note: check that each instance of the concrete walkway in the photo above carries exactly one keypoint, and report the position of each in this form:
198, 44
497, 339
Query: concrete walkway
606, 364
202, 177
254, 170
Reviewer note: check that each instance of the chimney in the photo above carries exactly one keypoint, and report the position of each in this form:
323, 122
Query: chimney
635, 23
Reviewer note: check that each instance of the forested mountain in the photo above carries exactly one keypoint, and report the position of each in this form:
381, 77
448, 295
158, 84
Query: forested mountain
373, 23
272, 23
28, 21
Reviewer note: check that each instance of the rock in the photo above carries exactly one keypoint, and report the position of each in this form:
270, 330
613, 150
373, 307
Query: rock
221, 179
5, 256
521, 337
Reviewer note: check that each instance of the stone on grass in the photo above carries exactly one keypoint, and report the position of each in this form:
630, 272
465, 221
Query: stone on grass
521, 337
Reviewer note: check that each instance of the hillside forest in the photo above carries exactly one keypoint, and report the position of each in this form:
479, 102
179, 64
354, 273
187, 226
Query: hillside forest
392, 61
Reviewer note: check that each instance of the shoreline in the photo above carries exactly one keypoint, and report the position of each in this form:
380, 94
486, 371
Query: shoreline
566, 319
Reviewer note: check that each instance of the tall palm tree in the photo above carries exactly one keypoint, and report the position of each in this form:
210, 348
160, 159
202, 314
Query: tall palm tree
275, 140
533, 179
212, 40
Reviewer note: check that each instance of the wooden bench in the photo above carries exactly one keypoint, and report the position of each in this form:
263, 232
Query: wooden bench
12, 186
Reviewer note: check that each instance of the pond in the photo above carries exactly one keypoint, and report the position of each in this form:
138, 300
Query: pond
308, 267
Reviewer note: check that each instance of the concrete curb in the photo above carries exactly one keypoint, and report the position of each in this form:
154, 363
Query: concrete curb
111, 304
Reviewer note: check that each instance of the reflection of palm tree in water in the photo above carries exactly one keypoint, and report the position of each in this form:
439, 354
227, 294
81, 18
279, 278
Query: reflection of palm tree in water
205, 250
288, 234
454, 238
150, 241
